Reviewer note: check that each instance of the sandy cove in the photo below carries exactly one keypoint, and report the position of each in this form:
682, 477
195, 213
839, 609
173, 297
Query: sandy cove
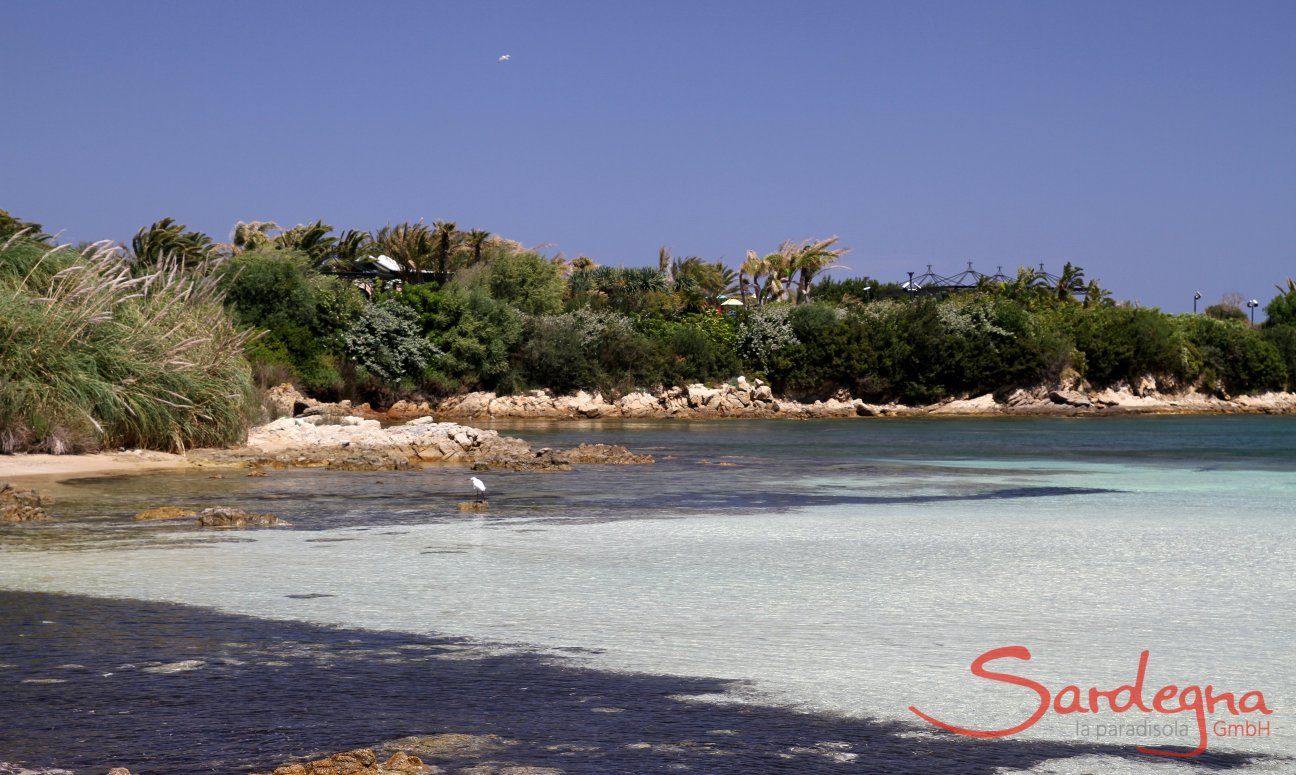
339, 436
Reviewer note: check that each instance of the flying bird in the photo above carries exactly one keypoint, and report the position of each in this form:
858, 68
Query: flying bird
505, 58
479, 486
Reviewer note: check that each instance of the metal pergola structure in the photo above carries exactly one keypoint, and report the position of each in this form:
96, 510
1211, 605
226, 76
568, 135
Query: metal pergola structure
969, 278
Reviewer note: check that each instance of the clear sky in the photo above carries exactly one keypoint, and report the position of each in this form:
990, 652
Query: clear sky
1153, 143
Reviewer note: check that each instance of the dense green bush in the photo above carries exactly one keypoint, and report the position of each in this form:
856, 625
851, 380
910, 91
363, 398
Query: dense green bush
587, 349
1124, 343
94, 356
495, 316
385, 340
1283, 338
301, 312
1281, 311
527, 281
698, 347
474, 335
1235, 357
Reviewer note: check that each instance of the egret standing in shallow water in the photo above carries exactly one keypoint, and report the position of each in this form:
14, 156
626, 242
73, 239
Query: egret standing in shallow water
479, 486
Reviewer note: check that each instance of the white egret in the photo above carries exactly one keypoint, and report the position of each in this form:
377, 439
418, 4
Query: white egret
479, 486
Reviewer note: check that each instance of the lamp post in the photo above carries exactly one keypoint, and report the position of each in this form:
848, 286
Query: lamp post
1196, 298
910, 287
1253, 304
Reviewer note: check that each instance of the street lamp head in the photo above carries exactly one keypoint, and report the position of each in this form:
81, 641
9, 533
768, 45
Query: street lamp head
1197, 296
1253, 304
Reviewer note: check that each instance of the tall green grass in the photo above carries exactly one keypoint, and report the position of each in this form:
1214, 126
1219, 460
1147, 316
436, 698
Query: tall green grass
93, 356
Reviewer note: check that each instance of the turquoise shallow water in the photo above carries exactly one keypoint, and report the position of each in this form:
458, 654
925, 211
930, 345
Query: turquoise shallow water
851, 568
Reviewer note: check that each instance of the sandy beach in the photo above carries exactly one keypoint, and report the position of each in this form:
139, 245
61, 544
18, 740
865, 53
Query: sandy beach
51, 469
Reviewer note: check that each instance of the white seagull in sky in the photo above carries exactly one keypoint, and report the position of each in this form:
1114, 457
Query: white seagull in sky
505, 58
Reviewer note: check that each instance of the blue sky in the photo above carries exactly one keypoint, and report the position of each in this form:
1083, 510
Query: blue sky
1152, 143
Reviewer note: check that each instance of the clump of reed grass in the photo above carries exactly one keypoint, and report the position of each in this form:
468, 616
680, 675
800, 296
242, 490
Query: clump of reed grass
93, 355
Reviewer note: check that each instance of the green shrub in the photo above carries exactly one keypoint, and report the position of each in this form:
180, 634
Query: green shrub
587, 349
94, 356
1281, 310
1225, 312
301, 312
1283, 338
1236, 356
527, 281
386, 341
852, 290
473, 333
1125, 343
700, 347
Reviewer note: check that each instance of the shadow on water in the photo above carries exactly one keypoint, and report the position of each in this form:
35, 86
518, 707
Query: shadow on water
89, 683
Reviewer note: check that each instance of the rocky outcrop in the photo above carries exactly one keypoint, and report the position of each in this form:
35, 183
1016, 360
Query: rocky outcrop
984, 404
450, 745
740, 397
285, 401
737, 399
165, 512
466, 754
19, 504
353, 443
225, 517
606, 454
362, 761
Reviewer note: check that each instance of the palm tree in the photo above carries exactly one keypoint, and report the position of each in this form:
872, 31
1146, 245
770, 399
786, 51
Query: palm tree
351, 251
167, 239
582, 263
476, 239
250, 235
11, 225
664, 264
312, 239
1071, 282
755, 268
1095, 295
809, 259
411, 245
444, 231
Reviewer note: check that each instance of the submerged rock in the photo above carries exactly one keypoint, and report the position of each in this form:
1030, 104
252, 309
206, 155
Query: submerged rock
474, 506
606, 454
362, 761
165, 512
222, 516
450, 745
19, 504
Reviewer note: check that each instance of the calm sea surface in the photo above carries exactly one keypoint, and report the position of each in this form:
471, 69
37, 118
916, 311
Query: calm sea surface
768, 596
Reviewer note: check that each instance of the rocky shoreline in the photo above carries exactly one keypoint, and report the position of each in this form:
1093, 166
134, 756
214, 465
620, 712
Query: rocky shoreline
330, 438
740, 398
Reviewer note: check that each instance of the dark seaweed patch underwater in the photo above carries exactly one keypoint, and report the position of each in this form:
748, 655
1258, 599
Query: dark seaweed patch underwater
90, 683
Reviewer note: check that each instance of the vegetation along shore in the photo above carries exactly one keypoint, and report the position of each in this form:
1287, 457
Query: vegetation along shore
171, 342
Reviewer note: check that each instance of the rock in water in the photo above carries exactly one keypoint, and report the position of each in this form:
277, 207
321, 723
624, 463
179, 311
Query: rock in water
362, 761
19, 504
222, 516
165, 512
474, 506
607, 454
450, 745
